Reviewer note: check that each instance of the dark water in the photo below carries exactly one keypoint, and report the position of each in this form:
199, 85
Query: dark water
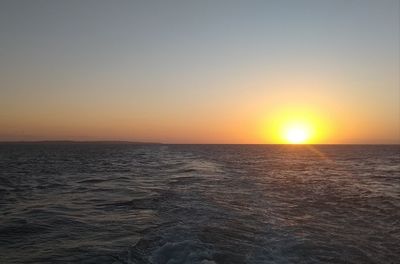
114, 203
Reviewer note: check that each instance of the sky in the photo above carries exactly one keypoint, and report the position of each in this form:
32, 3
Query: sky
199, 71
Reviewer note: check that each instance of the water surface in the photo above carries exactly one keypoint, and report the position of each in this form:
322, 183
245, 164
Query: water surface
124, 203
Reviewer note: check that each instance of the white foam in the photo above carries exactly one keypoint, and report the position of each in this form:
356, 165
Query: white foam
183, 252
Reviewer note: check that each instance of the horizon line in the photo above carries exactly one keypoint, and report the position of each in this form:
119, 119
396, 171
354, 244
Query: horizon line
162, 143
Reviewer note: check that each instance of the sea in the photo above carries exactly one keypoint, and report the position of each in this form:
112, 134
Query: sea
125, 203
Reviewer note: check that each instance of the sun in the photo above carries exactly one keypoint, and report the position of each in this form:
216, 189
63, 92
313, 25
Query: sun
295, 126
297, 135
297, 132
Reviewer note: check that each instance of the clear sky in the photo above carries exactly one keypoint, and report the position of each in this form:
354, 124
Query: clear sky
199, 71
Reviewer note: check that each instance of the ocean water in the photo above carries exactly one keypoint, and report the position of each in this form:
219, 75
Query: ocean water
125, 203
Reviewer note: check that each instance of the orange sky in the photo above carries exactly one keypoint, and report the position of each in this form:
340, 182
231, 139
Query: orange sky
198, 73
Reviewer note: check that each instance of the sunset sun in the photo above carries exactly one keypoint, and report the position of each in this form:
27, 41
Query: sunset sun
296, 125
297, 134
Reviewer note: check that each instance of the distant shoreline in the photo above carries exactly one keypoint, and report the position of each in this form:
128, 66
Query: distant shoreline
80, 142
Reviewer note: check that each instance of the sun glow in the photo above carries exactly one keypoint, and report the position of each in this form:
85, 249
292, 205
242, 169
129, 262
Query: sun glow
297, 134
296, 125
